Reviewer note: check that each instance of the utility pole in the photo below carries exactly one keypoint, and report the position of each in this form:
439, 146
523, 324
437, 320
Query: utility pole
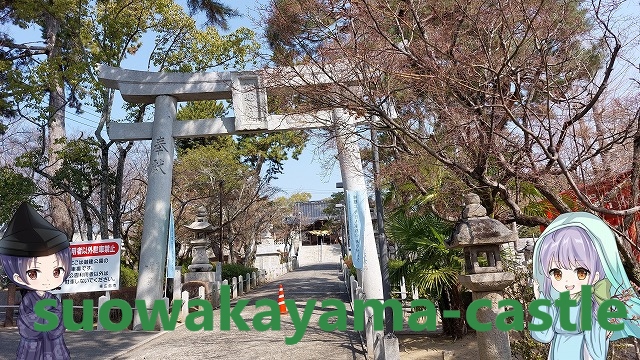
220, 235
300, 227
382, 239
343, 230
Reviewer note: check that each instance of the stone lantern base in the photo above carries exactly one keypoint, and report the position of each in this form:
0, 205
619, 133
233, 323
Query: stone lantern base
495, 343
487, 281
481, 237
200, 261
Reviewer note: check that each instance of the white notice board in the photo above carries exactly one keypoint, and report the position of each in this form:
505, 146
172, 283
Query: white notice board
95, 266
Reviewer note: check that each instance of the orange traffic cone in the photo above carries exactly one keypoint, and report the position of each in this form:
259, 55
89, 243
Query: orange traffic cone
283, 306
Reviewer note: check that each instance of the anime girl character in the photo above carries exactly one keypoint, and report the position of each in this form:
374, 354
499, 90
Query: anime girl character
580, 249
36, 256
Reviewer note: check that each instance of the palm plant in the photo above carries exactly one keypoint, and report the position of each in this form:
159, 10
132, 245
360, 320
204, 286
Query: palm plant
427, 263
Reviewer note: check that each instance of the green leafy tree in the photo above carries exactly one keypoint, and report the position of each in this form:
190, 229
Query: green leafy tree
45, 78
202, 110
179, 45
333, 200
269, 151
230, 175
15, 189
80, 176
217, 13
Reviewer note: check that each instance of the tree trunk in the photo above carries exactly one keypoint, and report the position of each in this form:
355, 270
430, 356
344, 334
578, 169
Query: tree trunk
443, 304
59, 204
250, 253
457, 303
104, 190
116, 209
231, 254
105, 185
87, 220
452, 300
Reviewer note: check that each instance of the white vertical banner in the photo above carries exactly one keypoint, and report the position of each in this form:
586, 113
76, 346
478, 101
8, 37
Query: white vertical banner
356, 207
171, 248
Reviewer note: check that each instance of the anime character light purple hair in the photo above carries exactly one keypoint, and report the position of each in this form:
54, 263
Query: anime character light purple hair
579, 249
569, 248
36, 256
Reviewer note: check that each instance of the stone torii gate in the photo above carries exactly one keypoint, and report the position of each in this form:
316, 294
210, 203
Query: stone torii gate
249, 98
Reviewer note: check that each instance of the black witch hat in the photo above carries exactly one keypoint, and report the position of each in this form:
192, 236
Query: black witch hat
30, 235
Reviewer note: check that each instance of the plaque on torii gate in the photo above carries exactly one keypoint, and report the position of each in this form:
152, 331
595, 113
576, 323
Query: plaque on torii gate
249, 100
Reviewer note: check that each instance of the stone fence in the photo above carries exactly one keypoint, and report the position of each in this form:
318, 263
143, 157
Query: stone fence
239, 285
356, 292
271, 273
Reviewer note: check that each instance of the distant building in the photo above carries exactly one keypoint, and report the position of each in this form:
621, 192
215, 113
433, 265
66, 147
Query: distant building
311, 218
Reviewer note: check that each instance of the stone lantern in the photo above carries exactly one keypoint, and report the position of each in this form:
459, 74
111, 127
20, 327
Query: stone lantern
200, 227
480, 237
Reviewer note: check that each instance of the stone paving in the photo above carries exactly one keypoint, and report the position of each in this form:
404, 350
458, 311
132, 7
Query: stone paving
318, 281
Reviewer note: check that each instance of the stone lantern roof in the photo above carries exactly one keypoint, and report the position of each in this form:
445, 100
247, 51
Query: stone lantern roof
200, 224
476, 228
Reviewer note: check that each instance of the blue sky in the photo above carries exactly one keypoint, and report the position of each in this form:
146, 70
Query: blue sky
316, 171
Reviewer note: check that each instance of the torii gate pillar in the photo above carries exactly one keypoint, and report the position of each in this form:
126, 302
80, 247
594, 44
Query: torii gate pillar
153, 250
353, 180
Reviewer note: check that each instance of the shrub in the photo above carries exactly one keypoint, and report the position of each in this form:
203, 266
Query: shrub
234, 270
128, 277
127, 294
523, 346
185, 265
284, 256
